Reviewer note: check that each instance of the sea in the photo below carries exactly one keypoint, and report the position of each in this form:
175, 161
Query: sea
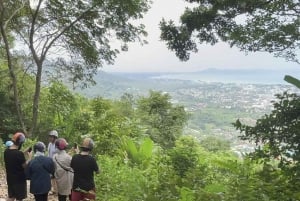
234, 76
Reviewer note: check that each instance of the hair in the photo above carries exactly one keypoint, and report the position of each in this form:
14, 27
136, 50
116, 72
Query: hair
85, 149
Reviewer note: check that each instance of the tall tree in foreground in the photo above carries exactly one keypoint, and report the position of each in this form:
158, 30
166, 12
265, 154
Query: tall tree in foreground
76, 35
278, 133
277, 136
251, 25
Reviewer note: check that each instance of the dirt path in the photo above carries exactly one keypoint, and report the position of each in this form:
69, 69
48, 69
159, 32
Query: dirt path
3, 190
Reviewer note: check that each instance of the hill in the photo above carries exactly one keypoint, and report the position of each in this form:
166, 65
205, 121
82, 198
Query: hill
214, 98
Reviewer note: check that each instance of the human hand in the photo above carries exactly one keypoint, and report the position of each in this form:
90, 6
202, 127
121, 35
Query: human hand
29, 155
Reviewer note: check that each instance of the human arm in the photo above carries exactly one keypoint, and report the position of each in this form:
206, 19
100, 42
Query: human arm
29, 157
96, 167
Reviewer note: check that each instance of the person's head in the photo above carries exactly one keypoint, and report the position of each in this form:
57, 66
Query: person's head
39, 147
87, 144
53, 135
18, 139
61, 144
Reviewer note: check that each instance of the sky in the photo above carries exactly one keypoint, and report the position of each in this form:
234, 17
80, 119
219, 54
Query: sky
155, 57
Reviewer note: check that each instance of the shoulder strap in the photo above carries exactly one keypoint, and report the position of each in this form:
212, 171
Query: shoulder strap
66, 169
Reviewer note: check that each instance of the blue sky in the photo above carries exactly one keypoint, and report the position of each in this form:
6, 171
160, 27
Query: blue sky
155, 57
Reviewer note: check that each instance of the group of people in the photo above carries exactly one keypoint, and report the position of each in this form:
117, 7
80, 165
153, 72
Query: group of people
70, 177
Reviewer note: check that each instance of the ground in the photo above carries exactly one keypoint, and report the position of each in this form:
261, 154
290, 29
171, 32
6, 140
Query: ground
3, 190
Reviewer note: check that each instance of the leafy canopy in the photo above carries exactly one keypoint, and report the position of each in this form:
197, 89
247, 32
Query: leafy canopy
67, 38
162, 121
251, 25
82, 31
277, 134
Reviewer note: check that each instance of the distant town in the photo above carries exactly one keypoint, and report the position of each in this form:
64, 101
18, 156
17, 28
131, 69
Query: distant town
213, 105
246, 102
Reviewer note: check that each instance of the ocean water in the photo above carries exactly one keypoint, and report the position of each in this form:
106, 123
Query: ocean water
234, 76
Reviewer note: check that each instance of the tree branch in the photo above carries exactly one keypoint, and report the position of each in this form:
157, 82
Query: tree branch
32, 31
12, 15
44, 52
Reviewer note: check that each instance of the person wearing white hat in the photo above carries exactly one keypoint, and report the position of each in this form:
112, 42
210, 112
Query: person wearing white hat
53, 135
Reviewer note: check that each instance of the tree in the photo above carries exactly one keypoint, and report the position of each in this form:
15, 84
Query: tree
76, 35
184, 155
214, 144
277, 134
8, 119
110, 126
5, 18
162, 120
251, 25
59, 109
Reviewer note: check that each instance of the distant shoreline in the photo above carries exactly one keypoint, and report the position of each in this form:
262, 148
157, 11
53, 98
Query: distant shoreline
222, 76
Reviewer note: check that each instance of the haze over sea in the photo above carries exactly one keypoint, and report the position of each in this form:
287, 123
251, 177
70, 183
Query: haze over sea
256, 76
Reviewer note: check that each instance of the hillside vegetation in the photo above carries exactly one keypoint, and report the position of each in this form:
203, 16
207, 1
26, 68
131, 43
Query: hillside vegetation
143, 152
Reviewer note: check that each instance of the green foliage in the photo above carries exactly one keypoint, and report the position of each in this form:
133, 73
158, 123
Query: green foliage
214, 144
8, 119
163, 121
292, 80
109, 126
251, 25
84, 32
60, 110
30, 143
184, 155
139, 155
277, 137
186, 194
261, 182
88, 30
119, 181
135, 167
125, 105
59, 104
210, 115
276, 133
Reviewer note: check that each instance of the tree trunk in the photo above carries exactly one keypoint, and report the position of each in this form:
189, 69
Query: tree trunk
11, 70
36, 98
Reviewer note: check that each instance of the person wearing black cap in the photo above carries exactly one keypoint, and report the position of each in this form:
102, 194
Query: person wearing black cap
84, 167
38, 171
15, 163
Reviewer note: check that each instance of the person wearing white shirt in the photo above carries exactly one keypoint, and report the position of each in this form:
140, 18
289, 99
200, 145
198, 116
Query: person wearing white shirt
53, 135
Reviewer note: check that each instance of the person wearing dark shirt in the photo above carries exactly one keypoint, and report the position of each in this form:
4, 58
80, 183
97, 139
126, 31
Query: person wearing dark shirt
39, 172
15, 164
84, 167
